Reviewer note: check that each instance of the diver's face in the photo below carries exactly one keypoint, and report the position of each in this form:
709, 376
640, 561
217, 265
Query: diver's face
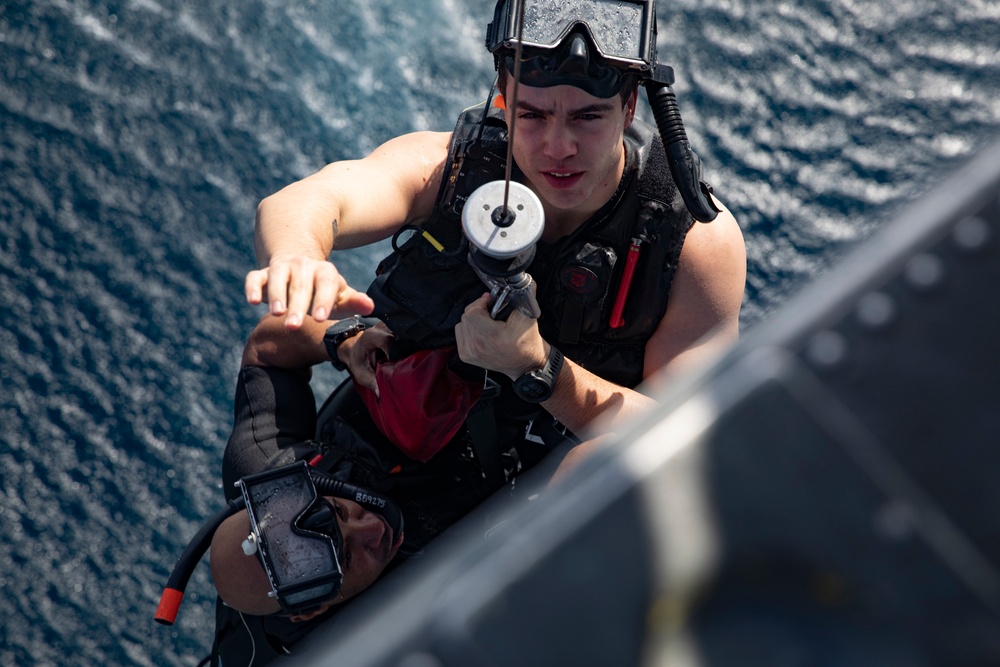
569, 144
368, 546
367, 549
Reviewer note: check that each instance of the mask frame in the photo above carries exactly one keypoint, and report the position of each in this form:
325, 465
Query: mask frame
593, 45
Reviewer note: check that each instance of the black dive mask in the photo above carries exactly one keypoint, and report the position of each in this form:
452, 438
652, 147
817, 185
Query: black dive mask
294, 533
589, 44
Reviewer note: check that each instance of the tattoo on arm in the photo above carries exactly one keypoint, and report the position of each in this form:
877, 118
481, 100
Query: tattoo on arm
334, 227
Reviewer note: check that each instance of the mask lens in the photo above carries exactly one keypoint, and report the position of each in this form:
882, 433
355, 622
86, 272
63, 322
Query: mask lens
616, 26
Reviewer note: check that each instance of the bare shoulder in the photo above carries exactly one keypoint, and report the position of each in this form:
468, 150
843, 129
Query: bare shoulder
396, 183
705, 297
415, 155
431, 147
718, 243
415, 162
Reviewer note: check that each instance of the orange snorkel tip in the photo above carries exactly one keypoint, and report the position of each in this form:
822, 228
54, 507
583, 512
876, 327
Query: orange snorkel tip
170, 602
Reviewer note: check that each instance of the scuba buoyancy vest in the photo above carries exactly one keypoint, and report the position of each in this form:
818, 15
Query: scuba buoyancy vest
423, 287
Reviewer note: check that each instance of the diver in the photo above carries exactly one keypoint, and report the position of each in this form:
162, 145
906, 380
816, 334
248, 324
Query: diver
317, 510
629, 286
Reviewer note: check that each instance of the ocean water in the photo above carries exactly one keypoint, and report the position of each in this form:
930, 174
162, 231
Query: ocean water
136, 138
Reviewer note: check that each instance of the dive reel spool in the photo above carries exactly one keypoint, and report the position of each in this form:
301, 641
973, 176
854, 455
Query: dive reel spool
502, 244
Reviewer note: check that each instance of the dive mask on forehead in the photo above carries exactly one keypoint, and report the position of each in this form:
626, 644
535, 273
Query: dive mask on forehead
589, 44
596, 46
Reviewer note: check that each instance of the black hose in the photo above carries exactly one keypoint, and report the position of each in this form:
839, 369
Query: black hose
196, 548
685, 166
375, 502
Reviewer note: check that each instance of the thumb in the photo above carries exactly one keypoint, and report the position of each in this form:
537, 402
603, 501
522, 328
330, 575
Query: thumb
350, 301
366, 378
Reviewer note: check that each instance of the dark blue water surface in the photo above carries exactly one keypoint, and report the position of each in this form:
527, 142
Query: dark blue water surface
136, 138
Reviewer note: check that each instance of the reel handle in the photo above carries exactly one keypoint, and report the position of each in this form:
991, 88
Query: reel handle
508, 296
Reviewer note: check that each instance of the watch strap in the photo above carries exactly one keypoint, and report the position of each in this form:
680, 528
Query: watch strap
553, 365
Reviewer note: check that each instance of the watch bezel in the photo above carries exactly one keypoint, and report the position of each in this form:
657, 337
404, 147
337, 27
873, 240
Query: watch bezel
538, 385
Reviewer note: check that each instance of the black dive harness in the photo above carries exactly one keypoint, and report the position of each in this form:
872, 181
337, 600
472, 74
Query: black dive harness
602, 290
421, 290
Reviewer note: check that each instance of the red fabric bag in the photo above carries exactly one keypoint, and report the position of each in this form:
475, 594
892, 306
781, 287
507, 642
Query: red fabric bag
423, 401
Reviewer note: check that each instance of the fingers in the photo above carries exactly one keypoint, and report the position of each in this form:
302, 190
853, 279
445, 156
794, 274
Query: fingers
292, 285
506, 346
300, 286
478, 309
371, 377
362, 366
352, 302
366, 378
480, 304
328, 283
385, 345
253, 286
471, 339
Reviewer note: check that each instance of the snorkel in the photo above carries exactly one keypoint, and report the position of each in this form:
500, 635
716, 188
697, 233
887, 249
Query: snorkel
294, 534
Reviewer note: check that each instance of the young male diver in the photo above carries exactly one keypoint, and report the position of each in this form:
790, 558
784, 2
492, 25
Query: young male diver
628, 286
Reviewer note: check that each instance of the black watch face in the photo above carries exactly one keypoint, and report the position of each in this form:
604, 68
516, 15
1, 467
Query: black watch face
532, 389
342, 330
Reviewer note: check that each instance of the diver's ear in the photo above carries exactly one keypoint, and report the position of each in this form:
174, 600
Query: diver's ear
630, 107
298, 618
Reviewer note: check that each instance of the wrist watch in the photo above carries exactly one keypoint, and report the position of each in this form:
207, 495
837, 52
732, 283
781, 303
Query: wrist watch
341, 331
537, 385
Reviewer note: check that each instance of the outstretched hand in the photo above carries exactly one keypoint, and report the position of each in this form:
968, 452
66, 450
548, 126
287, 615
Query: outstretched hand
292, 284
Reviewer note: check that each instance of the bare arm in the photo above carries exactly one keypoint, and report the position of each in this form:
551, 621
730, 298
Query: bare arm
272, 344
344, 205
701, 320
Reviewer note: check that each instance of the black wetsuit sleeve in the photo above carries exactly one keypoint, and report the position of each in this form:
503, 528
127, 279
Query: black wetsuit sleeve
274, 423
